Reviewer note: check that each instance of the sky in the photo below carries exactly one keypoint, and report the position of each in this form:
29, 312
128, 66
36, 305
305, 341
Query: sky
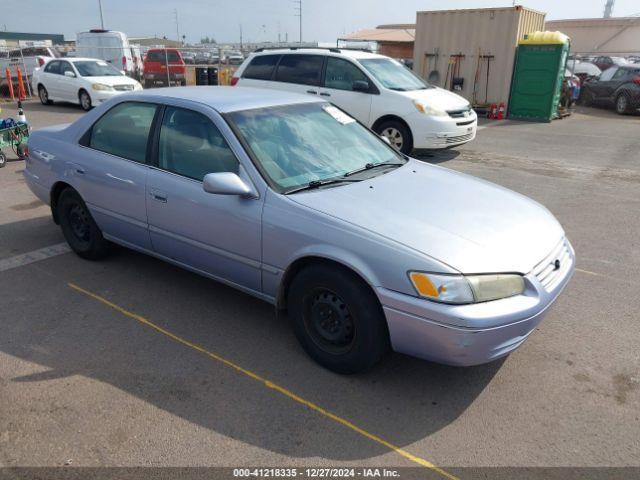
261, 20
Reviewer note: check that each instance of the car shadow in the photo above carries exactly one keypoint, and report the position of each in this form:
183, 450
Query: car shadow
403, 399
435, 156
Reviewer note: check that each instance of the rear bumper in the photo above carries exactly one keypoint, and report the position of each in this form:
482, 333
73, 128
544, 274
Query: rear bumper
466, 335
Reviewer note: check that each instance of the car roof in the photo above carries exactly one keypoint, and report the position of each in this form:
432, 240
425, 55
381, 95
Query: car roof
338, 52
230, 99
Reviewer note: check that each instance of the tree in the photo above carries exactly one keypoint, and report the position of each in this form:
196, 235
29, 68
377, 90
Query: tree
207, 40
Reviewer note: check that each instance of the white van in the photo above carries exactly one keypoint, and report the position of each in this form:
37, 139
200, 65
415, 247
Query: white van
376, 90
108, 45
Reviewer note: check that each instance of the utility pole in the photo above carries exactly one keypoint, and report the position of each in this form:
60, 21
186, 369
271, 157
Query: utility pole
608, 9
298, 8
101, 15
240, 36
175, 16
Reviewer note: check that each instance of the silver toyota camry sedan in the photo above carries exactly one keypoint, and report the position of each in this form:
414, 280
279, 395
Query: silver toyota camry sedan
288, 198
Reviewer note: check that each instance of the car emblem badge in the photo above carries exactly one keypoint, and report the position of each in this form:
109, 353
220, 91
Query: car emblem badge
556, 264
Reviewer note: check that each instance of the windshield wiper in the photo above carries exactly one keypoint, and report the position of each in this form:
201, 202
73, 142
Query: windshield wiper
313, 184
369, 166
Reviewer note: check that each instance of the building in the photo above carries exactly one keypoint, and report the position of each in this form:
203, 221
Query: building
14, 39
154, 42
472, 52
610, 36
395, 41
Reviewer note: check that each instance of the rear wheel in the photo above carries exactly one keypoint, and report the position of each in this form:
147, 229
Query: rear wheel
85, 100
623, 104
398, 135
43, 95
337, 319
3, 159
78, 227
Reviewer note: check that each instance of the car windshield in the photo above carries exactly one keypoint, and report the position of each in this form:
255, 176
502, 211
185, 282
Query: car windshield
89, 68
299, 144
393, 75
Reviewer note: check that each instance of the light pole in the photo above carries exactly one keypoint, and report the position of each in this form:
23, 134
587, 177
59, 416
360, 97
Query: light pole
175, 15
101, 15
298, 8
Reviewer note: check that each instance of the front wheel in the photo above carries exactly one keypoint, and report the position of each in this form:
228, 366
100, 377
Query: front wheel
78, 227
398, 134
622, 104
337, 319
85, 100
3, 159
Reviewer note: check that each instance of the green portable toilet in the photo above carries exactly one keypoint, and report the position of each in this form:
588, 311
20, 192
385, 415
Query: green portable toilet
536, 85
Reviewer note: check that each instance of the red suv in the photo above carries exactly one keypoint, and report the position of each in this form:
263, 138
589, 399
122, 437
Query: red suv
156, 71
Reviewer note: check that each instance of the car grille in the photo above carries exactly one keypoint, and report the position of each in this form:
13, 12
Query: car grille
123, 88
554, 267
461, 113
459, 138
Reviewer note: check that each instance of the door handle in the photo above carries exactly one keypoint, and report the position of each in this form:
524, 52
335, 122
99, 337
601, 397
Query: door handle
312, 91
158, 196
81, 171
325, 94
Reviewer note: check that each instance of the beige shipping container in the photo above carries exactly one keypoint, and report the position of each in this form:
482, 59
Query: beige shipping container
486, 32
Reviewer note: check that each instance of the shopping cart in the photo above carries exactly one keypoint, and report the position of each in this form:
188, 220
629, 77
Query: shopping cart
15, 137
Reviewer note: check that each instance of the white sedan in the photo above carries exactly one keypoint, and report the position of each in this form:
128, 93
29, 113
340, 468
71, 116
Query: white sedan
85, 81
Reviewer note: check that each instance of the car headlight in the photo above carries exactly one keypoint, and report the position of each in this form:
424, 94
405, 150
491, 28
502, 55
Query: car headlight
101, 87
427, 109
460, 289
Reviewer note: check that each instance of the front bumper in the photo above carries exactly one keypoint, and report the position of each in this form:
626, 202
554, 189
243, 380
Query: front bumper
466, 335
441, 132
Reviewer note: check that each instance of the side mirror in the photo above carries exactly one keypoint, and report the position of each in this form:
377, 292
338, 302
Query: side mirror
226, 183
360, 86
69, 74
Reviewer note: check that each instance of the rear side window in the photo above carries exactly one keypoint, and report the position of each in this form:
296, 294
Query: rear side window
261, 68
124, 130
53, 67
301, 69
155, 57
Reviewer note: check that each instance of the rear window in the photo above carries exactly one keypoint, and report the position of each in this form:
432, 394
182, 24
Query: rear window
261, 68
161, 56
301, 69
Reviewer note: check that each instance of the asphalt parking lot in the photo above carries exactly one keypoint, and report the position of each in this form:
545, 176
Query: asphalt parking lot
133, 362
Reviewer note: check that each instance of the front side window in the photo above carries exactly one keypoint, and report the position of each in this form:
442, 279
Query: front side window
124, 130
300, 69
261, 67
192, 146
393, 75
298, 144
96, 68
66, 67
341, 74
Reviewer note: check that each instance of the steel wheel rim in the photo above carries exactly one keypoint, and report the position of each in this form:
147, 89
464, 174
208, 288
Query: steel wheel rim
85, 101
622, 103
329, 322
79, 222
394, 136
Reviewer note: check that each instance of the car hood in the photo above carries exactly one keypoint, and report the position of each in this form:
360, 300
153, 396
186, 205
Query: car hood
438, 97
469, 224
112, 80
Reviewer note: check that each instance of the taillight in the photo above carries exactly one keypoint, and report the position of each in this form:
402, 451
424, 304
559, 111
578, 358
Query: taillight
234, 81
636, 80
40, 61
124, 63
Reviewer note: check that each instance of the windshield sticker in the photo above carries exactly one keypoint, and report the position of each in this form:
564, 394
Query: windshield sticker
338, 115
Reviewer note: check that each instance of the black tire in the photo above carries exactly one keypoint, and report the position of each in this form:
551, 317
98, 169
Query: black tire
43, 94
78, 227
3, 159
398, 134
148, 84
85, 100
337, 319
183, 83
623, 104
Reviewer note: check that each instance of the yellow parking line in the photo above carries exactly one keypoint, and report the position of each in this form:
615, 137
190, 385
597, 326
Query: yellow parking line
269, 384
